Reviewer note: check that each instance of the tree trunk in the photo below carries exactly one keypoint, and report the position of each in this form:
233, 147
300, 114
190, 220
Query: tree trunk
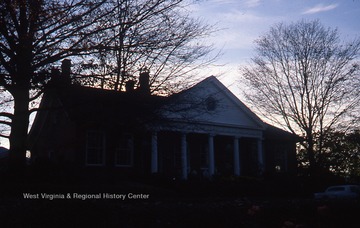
19, 131
311, 154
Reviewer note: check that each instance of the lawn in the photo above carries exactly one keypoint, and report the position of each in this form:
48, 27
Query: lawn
154, 204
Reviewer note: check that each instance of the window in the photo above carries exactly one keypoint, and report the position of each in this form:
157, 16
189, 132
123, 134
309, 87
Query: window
355, 189
336, 189
95, 148
211, 103
124, 151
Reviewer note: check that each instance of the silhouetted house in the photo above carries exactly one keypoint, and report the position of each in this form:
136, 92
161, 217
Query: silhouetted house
200, 132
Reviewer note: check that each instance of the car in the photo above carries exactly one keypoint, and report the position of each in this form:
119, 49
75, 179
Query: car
339, 192
4, 153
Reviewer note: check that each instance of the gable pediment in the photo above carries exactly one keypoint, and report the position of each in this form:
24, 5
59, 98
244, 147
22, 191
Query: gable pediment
211, 103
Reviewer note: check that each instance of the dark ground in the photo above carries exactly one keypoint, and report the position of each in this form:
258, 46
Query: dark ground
171, 204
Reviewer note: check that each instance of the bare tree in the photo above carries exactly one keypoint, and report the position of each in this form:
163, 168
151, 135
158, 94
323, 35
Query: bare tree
304, 78
5, 121
33, 35
159, 36
113, 37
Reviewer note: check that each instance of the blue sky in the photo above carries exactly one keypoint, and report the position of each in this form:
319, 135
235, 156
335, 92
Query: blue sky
242, 21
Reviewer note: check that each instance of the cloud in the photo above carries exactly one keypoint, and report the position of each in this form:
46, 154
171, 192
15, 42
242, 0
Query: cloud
239, 16
252, 3
232, 3
320, 8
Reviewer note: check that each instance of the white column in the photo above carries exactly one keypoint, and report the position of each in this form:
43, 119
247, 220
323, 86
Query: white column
236, 157
260, 155
184, 165
154, 153
211, 156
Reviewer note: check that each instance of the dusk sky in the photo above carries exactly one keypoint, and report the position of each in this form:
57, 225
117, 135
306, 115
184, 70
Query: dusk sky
243, 21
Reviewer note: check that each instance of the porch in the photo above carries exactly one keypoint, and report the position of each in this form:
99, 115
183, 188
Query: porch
202, 155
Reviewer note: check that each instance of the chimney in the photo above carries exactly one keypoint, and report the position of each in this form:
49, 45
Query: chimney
65, 71
144, 81
129, 86
55, 75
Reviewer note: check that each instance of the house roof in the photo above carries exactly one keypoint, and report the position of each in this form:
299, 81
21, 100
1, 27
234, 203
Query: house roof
274, 133
95, 107
194, 106
85, 105
90, 104
234, 99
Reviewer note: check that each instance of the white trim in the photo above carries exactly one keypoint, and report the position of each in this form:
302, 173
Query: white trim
236, 157
154, 153
206, 128
211, 155
235, 100
260, 152
184, 158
